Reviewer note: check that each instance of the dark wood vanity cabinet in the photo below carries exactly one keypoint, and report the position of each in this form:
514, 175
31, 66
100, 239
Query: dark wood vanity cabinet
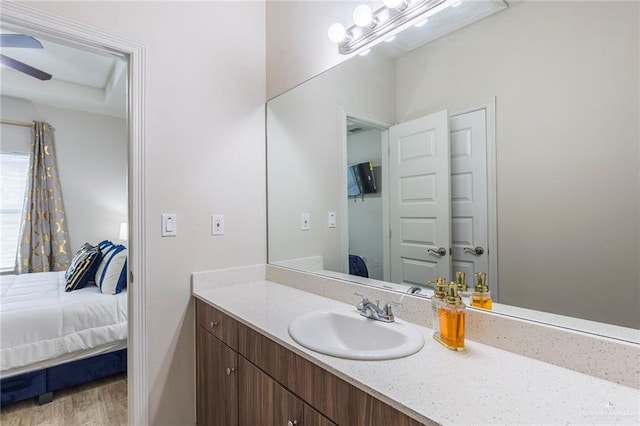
217, 383
244, 378
265, 401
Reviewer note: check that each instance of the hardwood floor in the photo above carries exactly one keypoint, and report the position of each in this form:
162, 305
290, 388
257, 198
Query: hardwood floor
99, 403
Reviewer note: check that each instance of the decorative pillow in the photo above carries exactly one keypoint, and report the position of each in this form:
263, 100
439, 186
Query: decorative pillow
104, 245
111, 275
82, 269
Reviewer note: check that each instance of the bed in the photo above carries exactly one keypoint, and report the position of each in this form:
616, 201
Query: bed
51, 339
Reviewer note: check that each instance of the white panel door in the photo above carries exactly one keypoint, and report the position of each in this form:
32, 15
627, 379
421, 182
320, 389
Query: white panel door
469, 220
419, 199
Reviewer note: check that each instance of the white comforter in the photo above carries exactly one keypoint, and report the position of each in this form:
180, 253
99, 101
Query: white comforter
40, 321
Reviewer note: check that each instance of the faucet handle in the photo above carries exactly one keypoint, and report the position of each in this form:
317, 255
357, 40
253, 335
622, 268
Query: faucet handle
360, 306
388, 306
364, 298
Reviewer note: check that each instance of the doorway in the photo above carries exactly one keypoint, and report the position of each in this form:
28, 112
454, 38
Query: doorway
64, 31
466, 236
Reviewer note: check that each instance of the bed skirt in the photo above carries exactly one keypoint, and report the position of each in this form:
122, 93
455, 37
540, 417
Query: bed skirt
36, 383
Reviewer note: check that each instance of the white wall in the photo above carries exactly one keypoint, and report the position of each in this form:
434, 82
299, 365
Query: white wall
205, 94
308, 174
91, 150
297, 43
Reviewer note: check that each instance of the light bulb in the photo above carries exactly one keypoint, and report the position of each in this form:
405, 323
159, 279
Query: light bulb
337, 33
362, 15
364, 52
395, 4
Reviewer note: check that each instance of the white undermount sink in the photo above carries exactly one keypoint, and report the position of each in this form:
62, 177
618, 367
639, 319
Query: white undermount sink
346, 334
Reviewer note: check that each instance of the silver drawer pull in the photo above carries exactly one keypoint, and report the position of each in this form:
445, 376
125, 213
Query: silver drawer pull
213, 325
230, 370
292, 423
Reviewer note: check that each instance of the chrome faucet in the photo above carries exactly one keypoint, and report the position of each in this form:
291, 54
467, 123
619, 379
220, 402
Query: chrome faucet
368, 309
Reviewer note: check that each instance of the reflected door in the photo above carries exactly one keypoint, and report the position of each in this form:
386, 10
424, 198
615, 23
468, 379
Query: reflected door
469, 222
419, 199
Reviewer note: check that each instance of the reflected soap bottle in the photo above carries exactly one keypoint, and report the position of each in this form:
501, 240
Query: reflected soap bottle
437, 301
481, 296
462, 288
452, 321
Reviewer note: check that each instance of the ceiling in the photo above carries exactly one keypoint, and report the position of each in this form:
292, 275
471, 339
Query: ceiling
81, 79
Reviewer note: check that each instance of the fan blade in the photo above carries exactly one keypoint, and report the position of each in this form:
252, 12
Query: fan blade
19, 40
22, 67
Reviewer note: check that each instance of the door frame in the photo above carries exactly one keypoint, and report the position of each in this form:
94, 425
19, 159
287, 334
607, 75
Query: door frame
343, 114
70, 32
489, 106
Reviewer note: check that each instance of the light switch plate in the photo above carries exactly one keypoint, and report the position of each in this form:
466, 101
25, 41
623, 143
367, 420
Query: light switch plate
217, 224
169, 225
304, 222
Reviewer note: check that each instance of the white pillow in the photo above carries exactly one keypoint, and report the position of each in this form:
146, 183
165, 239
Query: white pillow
111, 276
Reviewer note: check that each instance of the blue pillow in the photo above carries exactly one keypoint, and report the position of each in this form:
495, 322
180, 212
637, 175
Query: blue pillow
82, 269
111, 275
104, 245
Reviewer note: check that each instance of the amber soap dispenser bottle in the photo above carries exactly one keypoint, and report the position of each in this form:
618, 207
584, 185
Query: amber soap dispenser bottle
481, 297
452, 321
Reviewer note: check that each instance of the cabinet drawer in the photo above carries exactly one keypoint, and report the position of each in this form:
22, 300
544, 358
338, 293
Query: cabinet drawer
217, 323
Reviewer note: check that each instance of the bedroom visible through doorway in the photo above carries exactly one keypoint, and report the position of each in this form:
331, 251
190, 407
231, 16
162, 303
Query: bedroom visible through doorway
86, 103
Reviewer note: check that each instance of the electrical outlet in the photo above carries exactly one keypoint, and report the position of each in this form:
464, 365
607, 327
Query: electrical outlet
332, 219
304, 222
217, 224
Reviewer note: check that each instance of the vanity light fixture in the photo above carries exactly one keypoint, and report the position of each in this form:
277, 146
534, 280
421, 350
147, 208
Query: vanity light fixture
370, 26
363, 17
396, 4
337, 33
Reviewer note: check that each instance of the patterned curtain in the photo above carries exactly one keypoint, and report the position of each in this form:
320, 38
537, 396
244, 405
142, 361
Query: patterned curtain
44, 241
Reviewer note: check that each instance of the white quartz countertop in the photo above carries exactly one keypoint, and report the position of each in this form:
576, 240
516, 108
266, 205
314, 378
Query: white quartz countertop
481, 386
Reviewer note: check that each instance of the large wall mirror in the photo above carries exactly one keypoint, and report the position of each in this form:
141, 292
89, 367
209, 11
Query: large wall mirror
509, 146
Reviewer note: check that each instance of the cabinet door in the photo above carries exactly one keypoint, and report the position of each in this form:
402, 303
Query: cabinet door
313, 418
217, 382
263, 401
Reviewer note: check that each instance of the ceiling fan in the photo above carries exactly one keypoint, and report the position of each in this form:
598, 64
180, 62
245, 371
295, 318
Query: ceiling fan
21, 41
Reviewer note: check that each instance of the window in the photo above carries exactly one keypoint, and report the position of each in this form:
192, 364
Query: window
14, 169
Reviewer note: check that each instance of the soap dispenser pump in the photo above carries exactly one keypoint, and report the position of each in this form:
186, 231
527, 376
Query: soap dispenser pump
463, 289
461, 285
481, 296
452, 321
437, 300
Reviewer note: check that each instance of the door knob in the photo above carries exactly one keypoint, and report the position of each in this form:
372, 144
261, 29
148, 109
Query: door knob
230, 370
477, 251
292, 423
440, 252
213, 325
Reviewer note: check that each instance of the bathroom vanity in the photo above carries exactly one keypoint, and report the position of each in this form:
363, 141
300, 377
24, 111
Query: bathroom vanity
250, 371
246, 378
